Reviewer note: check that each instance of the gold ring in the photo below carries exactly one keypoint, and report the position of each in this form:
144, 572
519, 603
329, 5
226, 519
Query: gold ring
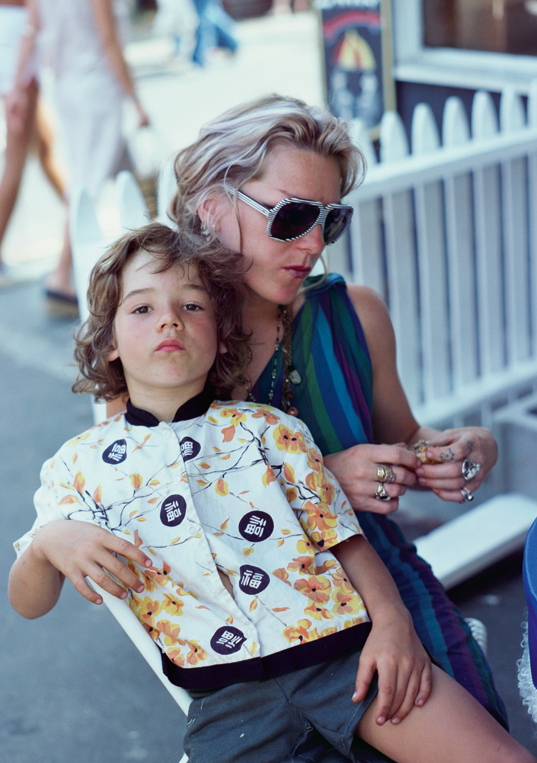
382, 473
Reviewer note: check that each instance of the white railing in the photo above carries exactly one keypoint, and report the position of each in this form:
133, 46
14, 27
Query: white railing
447, 232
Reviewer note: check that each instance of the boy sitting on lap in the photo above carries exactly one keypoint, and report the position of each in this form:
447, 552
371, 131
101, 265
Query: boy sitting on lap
240, 553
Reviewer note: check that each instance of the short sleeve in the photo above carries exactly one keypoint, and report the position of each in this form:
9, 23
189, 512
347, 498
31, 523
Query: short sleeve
314, 493
47, 501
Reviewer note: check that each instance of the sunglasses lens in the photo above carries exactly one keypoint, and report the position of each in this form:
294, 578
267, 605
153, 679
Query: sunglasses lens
337, 222
293, 220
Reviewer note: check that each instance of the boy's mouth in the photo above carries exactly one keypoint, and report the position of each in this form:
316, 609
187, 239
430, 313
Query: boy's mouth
170, 345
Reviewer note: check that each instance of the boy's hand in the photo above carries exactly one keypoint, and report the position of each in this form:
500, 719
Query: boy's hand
404, 668
79, 549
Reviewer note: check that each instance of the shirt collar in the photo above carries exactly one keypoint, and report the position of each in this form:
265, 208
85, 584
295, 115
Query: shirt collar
194, 407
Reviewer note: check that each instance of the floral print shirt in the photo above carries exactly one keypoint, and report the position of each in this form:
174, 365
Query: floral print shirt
241, 488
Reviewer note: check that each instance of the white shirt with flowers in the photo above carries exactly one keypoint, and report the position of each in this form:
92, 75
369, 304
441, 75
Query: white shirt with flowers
241, 488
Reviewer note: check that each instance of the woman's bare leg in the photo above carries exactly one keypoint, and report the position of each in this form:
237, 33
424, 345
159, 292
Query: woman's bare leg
17, 145
44, 140
451, 726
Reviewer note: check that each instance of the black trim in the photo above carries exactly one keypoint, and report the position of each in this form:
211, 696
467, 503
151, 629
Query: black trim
277, 664
196, 406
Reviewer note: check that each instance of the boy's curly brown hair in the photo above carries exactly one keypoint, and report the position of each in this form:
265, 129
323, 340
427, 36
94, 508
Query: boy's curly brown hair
220, 272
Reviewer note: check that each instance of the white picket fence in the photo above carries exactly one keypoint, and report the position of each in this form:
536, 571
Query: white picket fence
447, 233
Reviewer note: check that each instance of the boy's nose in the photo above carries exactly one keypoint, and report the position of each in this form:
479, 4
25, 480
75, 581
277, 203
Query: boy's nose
171, 317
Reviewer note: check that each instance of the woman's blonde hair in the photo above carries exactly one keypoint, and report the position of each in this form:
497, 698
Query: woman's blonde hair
220, 273
232, 149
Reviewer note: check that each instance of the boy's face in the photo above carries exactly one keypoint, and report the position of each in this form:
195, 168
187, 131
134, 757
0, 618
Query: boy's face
165, 335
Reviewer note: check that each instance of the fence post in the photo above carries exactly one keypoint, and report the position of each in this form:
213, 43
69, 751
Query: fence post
489, 271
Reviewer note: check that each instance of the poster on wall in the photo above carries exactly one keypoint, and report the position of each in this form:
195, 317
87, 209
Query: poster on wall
356, 39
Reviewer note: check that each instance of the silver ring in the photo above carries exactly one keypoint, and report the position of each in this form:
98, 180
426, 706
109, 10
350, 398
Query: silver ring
382, 494
470, 469
466, 495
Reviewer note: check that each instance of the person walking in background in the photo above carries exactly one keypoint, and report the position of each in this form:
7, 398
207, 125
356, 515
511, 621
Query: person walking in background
82, 42
32, 129
216, 29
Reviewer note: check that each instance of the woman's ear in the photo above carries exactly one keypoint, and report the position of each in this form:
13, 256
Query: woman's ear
222, 348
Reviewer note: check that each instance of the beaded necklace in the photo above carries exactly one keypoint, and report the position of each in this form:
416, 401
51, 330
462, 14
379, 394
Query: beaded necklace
290, 374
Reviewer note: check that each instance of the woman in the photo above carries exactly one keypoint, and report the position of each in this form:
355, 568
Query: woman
83, 44
326, 351
19, 136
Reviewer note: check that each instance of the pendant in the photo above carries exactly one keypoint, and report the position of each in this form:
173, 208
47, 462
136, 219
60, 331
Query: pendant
292, 411
295, 376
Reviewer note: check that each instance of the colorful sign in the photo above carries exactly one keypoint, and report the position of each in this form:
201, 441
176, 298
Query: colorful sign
357, 68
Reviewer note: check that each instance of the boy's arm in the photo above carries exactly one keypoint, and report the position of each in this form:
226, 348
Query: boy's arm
68, 548
392, 648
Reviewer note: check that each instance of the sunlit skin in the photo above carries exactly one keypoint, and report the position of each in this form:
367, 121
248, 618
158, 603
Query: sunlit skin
165, 335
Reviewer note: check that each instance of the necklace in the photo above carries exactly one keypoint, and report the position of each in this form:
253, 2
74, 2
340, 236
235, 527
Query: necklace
290, 374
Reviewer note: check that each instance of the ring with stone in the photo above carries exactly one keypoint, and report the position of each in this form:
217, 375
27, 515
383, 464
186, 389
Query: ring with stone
466, 495
390, 474
470, 469
382, 494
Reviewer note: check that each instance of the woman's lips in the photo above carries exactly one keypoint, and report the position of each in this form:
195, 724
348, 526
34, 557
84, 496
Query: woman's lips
170, 345
298, 271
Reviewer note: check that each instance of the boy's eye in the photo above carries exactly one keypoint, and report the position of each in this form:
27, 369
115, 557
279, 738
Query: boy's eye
141, 310
192, 307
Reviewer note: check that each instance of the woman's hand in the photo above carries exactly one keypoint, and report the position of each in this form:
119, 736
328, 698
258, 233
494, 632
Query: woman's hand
449, 450
356, 469
79, 549
394, 651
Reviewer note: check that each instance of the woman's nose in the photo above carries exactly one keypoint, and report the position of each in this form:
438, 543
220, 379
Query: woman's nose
313, 241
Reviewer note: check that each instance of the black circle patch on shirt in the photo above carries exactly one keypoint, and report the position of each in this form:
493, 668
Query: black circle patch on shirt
227, 640
115, 453
253, 579
189, 448
173, 510
256, 526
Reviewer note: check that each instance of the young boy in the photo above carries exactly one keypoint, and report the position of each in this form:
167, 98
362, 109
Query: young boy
243, 557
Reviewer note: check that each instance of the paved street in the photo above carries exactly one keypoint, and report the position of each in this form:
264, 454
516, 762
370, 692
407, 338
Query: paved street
73, 689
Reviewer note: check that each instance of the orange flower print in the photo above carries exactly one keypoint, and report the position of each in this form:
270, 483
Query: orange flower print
196, 654
302, 564
301, 632
292, 442
170, 631
316, 588
328, 564
147, 609
346, 604
282, 575
319, 517
236, 418
325, 539
159, 576
320, 484
341, 581
304, 546
267, 414
176, 657
173, 606
317, 611
315, 460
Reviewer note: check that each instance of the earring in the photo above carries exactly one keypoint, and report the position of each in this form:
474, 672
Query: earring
204, 230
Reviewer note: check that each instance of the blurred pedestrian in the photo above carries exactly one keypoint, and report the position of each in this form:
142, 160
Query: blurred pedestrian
83, 44
32, 130
178, 20
216, 29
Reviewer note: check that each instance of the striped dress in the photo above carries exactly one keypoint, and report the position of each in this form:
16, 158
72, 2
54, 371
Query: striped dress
335, 398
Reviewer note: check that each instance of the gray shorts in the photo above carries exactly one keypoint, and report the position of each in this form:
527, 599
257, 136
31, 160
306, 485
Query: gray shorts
306, 716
